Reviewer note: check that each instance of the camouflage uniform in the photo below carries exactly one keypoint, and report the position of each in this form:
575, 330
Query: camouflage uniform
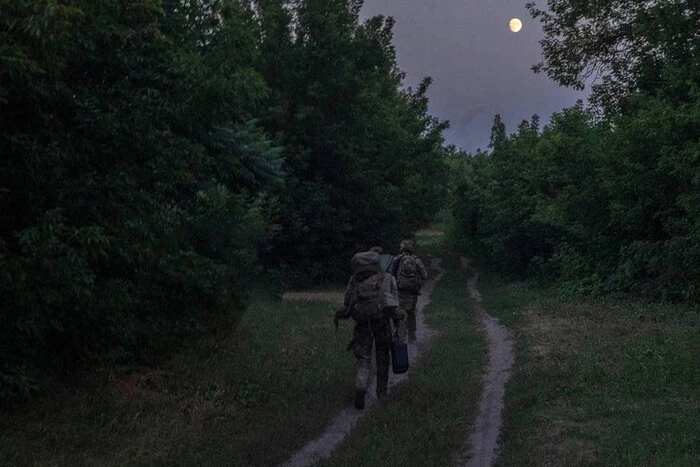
379, 331
408, 298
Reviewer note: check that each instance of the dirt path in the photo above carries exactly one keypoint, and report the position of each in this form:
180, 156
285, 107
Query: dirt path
483, 441
346, 420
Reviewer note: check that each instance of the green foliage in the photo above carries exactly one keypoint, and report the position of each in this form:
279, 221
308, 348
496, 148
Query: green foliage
626, 45
123, 225
363, 157
258, 384
605, 205
602, 206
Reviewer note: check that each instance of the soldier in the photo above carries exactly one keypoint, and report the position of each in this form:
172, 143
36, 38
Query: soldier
410, 276
365, 302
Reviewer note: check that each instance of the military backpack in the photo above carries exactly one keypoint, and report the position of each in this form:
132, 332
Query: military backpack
408, 277
367, 300
374, 295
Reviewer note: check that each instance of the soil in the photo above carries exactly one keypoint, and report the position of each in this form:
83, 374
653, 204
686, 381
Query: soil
316, 296
483, 440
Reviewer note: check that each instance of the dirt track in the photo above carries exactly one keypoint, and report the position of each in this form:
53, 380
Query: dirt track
483, 440
346, 420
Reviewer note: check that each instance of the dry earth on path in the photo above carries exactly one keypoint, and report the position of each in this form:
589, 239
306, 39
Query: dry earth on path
332, 296
483, 440
430, 233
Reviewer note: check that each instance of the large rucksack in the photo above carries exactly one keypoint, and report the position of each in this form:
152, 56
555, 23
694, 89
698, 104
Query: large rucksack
367, 300
373, 296
408, 277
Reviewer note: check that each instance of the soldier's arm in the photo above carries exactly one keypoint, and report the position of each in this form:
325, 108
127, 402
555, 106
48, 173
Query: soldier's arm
397, 314
399, 317
394, 266
347, 298
343, 312
421, 269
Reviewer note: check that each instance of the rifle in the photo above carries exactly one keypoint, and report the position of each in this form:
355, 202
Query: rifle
343, 312
349, 347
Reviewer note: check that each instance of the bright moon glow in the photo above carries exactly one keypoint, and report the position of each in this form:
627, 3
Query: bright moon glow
516, 25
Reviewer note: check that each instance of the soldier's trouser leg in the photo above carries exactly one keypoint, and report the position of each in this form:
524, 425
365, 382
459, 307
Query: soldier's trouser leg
401, 329
408, 305
382, 339
362, 348
411, 323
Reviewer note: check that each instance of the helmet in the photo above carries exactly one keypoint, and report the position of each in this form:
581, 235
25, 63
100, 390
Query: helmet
407, 246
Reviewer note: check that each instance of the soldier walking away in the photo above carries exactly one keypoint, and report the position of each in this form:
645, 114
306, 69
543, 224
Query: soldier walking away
371, 300
410, 276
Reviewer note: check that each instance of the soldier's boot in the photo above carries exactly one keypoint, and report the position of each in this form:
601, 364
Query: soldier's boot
361, 387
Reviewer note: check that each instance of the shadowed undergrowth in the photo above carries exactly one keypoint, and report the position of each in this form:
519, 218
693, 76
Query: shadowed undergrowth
251, 400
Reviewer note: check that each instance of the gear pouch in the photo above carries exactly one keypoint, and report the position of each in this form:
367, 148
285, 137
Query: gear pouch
399, 357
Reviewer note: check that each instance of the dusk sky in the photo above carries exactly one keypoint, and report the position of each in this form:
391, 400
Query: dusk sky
479, 67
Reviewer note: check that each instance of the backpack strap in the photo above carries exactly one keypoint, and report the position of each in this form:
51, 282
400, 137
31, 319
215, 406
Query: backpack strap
353, 299
397, 261
403, 257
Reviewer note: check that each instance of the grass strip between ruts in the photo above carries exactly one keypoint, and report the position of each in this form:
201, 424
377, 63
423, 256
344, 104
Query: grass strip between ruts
426, 419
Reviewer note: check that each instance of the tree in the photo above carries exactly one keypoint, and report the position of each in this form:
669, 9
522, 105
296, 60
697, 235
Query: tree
124, 134
498, 134
360, 151
626, 44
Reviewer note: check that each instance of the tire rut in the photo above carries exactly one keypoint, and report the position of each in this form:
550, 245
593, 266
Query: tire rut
483, 440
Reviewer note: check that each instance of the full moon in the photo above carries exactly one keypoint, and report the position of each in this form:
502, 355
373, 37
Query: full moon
516, 25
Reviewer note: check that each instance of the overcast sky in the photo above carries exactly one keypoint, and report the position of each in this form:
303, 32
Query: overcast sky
479, 67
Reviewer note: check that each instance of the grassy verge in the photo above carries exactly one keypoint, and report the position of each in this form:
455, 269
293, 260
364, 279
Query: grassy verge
599, 383
425, 420
252, 400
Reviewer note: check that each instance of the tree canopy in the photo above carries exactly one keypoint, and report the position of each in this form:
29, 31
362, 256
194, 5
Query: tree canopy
622, 45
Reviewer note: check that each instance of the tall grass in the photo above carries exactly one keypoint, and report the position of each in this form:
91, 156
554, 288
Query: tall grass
599, 383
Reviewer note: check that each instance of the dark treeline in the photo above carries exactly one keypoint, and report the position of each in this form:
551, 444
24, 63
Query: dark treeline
607, 198
158, 155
